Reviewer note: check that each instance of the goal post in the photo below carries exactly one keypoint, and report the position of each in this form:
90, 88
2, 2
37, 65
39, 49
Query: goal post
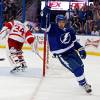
42, 50
45, 43
44, 53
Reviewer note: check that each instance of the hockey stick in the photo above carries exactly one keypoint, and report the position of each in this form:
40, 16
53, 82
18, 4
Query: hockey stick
35, 48
38, 55
2, 59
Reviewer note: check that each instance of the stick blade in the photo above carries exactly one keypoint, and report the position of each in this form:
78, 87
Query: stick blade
2, 59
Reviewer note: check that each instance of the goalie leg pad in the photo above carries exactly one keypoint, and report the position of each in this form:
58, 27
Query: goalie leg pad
16, 58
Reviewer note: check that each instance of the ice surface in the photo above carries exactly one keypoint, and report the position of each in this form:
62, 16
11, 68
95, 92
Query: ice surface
59, 83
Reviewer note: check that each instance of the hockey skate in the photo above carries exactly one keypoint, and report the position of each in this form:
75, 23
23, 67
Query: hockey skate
21, 68
87, 88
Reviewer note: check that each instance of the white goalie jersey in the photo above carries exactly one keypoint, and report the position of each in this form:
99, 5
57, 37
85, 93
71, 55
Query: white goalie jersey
17, 31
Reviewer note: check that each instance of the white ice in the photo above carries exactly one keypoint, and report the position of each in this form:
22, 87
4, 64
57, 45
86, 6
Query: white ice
59, 83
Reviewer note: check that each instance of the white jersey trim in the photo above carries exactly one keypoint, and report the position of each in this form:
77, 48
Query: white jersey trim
66, 63
80, 78
46, 29
63, 50
10, 23
17, 38
29, 37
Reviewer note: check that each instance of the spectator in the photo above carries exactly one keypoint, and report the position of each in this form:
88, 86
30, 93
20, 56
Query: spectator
6, 11
95, 31
88, 27
14, 10
77, 26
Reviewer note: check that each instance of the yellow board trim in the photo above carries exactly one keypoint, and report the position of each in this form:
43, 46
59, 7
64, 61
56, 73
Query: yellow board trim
41, 49
25, 48
2, 46
93, 53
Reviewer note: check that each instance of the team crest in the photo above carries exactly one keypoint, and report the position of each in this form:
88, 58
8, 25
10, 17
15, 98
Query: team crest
65, 38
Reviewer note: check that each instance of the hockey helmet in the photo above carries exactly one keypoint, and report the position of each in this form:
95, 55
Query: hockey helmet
60, 17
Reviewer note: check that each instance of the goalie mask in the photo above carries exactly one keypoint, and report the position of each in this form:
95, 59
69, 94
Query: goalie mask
28, 25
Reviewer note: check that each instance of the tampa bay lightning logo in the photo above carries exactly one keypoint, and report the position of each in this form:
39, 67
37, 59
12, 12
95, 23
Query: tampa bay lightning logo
65, 38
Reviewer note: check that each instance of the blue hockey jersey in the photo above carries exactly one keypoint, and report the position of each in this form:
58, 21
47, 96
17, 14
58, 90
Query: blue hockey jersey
61, 40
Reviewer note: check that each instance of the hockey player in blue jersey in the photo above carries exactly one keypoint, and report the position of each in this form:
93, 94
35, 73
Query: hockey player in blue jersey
63, 44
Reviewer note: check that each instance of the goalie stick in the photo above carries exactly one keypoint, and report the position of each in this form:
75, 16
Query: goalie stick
35, 48
38, 55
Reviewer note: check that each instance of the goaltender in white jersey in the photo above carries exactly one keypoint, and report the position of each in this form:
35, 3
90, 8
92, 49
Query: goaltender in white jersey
18, 33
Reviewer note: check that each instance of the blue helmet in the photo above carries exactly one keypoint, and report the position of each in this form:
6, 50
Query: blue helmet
59, 18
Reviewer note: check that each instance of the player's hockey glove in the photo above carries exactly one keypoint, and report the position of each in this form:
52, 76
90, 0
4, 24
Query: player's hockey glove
82, 52
46, 10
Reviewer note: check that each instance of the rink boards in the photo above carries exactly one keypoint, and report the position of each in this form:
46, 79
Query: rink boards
91, 43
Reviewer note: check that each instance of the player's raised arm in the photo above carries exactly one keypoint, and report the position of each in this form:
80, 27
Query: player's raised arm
45, 18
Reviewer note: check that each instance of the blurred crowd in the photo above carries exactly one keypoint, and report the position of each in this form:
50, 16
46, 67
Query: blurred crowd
85, 20
10, 8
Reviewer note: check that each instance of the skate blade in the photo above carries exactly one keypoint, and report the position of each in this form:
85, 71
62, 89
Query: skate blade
17, 71
90, 92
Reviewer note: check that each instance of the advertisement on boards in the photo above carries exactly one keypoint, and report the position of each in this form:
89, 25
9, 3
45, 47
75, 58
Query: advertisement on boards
64, 5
